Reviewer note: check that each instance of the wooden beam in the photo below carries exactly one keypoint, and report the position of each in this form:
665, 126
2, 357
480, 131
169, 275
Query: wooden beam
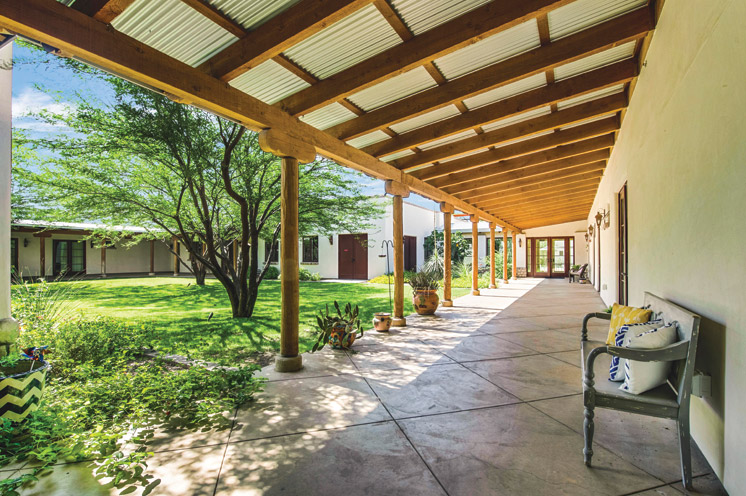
582, 191
553, 215
573, 134
534, 170
53, 23
536, 125
563, 151
554, 185
592, 168
611, 33
102, 10
215, 15
282, 145
300, 21
550, 201
582, 185
492, 18
394, 188
605, 77
522, 213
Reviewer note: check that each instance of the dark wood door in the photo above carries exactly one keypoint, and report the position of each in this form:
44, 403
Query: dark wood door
623, 296
353, 256
68, 257
410, 253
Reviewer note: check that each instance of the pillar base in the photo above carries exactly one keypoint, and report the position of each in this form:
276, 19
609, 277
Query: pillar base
493, 286
399, 322
103, 276
151, 273
506, 281
446, 303
288, 364
475, 292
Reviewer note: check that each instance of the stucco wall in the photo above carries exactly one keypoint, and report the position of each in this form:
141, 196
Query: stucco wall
682, 152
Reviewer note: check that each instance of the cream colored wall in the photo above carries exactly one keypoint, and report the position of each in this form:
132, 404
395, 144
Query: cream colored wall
682, 152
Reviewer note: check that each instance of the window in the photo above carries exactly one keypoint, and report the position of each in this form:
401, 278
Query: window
272, 255
572, 252
14, 256
310, 249
68, 257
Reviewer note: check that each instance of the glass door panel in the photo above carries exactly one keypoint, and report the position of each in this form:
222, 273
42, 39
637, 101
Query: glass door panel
558, 256
77, 255
542, 257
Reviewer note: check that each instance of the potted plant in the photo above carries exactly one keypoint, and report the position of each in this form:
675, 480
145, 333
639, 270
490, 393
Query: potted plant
338, 329
22, 383
382, 321
425, 292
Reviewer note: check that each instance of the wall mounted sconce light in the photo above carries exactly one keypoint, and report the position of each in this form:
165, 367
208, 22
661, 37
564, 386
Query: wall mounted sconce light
519, 242
603, 216
25, 242
331, 240
590, 230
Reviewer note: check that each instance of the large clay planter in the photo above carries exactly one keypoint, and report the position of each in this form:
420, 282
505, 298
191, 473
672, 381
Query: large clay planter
340, 339
382, 321
21, 388
425, 301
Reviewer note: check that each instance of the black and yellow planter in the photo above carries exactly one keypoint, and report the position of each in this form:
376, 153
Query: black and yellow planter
21, 388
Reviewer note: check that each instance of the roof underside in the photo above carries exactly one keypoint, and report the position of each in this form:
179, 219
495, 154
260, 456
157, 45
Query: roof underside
511, 108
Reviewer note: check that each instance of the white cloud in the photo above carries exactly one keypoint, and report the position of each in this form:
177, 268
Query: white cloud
32, 101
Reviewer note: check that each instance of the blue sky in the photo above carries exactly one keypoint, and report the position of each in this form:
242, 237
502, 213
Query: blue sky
35, 70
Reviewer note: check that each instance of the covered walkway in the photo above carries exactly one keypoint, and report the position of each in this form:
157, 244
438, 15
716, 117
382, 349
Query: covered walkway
484, 398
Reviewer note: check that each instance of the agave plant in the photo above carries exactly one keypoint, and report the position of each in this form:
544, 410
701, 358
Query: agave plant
328, 321
423, 280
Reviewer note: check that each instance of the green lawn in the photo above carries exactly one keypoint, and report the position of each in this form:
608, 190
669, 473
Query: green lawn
178, 311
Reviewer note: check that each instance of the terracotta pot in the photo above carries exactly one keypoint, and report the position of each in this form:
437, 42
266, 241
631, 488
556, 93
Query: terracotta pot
340, 339
425, 301
382, 321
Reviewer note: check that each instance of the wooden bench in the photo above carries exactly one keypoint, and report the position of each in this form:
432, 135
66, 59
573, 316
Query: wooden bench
667, 401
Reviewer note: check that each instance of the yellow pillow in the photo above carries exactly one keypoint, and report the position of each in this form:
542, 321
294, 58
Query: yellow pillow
621, 315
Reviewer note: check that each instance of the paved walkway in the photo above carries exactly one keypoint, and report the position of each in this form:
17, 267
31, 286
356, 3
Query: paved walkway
482, 399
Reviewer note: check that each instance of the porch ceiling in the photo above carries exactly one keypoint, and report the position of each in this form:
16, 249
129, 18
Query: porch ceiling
504, 109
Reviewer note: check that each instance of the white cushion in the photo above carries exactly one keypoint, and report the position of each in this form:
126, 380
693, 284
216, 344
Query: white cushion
616, 368
643, 376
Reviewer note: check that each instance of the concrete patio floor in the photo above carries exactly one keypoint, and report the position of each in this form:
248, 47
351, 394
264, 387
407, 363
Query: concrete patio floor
482, 399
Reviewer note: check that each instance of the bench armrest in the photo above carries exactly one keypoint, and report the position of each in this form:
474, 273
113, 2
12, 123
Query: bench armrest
596, 315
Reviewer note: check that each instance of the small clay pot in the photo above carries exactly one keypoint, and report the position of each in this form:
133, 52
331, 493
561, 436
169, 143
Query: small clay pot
425, 301
340, 339
382, 321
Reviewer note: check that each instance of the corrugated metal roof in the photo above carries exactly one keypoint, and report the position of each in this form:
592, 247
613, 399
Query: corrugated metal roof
269, 82
425, 119
583, 14
587, 121
368, 139
393, 89
473, 152
500, 46
254, 13
514, 119
571, 102
174, 28
345, 43
448, 139
420, 16
595, 61
396, 155
328, 116
502, 92
524, 138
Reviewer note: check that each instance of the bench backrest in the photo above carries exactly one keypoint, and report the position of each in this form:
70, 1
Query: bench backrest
688, 330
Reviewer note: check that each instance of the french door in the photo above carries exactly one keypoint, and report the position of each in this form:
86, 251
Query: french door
68, 257
550, 256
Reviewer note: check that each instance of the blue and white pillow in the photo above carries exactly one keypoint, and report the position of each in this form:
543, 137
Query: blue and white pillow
643, 376
616, 369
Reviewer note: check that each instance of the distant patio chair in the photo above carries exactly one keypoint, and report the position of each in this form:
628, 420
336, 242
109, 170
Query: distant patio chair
670, 400
580, 274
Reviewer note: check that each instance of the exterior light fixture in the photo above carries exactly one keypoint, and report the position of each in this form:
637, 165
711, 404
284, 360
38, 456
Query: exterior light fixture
519, 242
25, 242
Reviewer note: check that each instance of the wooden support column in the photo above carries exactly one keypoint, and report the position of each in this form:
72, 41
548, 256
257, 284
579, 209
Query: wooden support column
176, 256
515, 250
398, 191
492, 255
293, 152
42, 256
475, 255
152, 258
447, 210
103, 258
505, 255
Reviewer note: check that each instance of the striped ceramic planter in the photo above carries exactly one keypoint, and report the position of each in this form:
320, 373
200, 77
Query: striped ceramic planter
21, 389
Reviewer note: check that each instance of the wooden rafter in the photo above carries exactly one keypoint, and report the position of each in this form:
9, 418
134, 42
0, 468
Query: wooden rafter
572, 115
606, 35
579, 207
300, 21
546, 192
473, 178
492, 18
548, 198
57, 25
102, 10
605, 77
557, 185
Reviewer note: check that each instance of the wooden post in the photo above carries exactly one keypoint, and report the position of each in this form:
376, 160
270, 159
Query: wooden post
447, 211
42, 256
103, 258
515, 250
505, 255
293, 152
475, 255
492, 255
152, 258
176, 257
398, 191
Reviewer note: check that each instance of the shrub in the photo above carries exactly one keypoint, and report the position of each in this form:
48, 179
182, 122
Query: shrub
307, 275
272, 272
